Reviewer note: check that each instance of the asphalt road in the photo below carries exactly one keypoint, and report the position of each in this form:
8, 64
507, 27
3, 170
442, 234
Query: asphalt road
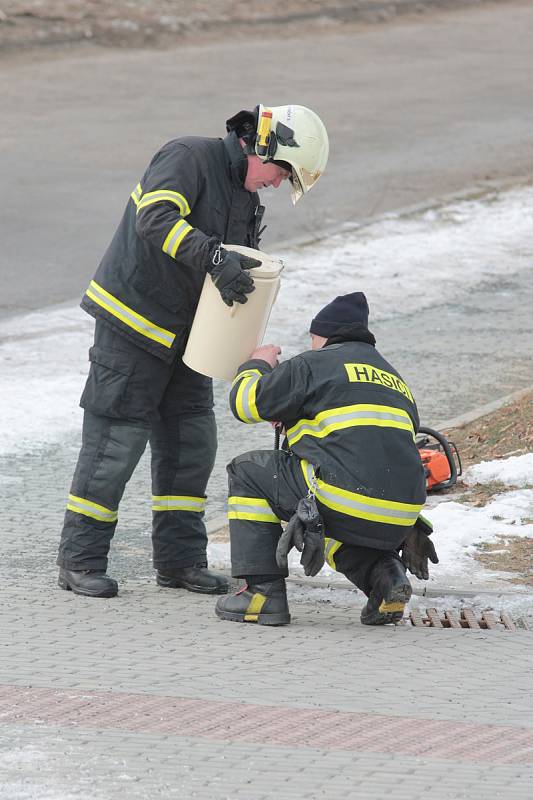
415, 109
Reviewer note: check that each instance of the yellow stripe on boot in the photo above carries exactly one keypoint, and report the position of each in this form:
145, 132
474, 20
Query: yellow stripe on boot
254, 607
389, 608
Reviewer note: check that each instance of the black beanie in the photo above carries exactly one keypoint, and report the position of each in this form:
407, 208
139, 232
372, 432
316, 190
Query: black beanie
347, 309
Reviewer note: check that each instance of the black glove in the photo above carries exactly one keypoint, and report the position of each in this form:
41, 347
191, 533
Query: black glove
227, 269
305, 531
418, 547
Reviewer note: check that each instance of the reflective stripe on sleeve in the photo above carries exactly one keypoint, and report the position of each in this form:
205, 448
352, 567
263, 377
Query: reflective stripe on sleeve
128, 316
336, 419
330, 548
245, 405
137, 194
177, 233
164, 196
178, 502
254, 509
360, 505
89, 509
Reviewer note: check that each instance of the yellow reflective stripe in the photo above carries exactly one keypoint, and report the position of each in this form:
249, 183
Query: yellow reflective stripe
177, 502
330, 548
89, 509
175, 237
137, 194
367, 373
128, 316
336, 419
374, 509
254, 509
165, 196
245, 404
254, 607
244, 374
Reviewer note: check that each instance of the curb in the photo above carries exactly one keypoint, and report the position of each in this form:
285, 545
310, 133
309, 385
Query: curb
483, 411
475, 191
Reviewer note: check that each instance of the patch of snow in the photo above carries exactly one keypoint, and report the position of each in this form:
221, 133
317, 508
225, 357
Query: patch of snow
512, 471
460, 245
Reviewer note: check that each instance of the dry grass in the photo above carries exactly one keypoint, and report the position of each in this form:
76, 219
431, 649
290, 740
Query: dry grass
509, 554
501, 434
506, 432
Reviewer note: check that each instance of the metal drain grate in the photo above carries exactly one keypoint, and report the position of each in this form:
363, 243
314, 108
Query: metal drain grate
466, 618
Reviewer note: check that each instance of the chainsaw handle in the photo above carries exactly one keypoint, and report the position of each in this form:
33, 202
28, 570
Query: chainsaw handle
444, 443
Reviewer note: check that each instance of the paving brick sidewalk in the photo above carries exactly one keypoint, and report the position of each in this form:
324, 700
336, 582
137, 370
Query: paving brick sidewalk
149, 695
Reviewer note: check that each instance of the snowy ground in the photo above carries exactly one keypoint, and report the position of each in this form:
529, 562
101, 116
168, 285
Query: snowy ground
442, 253
461, 245
458, 529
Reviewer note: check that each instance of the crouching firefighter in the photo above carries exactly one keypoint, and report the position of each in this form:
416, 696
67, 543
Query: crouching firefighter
351, 482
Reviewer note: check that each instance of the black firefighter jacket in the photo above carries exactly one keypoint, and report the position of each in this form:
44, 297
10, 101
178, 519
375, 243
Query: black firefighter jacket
190, 198
351, 421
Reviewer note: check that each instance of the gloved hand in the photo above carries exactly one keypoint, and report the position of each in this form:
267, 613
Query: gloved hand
305, 531
418, 548
227, 270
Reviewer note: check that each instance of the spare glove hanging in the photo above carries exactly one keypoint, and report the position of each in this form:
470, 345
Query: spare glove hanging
305, 531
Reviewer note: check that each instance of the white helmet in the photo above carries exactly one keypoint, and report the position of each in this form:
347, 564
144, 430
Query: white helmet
296, 136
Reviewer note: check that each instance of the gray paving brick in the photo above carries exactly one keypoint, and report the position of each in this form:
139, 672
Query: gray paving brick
169, 643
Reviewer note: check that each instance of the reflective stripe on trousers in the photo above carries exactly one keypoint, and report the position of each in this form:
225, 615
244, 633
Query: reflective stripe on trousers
254, 509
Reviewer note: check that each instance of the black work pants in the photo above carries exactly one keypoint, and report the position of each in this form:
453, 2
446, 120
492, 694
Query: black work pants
264, 489
131, 398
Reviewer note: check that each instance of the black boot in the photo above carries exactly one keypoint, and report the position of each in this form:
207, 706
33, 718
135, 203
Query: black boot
390, 592
89, 583
195, 579
264, 603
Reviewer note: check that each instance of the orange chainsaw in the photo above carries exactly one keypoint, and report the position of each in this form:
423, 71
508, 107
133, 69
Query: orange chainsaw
440, 458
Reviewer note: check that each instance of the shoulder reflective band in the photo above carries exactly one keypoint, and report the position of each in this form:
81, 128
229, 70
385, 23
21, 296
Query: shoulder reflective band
254, 509
128, 316
175, 236
164, 196
361, 505
89, 509
336, 419
330, 548
245, 399
366, 373
137, 194
177, 502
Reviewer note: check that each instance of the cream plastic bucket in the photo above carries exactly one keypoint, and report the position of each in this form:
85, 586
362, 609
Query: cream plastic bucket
222, 337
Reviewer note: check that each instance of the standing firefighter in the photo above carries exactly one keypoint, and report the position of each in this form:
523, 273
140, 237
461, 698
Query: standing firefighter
195, 194
352, 483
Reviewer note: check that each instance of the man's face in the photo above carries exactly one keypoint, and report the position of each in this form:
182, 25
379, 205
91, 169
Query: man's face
317, 342
261, 174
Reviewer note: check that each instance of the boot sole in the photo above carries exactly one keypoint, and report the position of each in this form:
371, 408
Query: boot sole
391, 609
175, 583
63, 584
259, 619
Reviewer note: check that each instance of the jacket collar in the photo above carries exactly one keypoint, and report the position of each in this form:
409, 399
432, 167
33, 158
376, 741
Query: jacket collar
352, 333
237, 158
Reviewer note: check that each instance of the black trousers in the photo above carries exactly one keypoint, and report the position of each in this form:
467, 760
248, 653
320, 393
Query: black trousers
264, 488
132, 398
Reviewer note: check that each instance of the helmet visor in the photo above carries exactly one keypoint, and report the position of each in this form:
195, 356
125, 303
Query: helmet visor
302, 180
296, 188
